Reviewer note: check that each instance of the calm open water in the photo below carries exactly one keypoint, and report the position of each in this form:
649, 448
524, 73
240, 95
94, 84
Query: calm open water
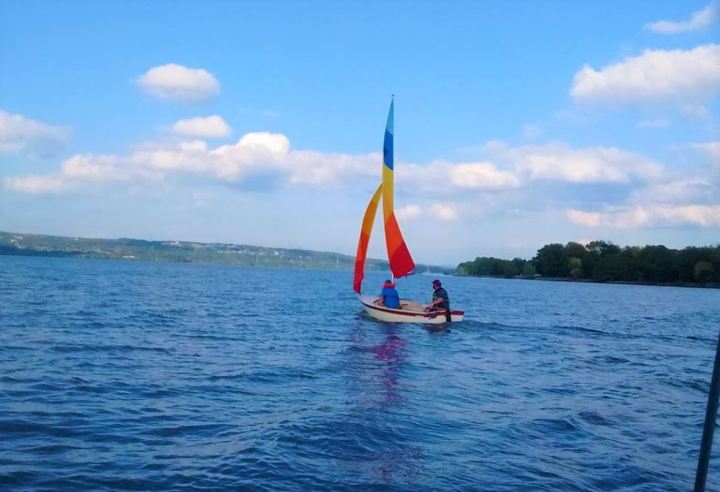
156, 376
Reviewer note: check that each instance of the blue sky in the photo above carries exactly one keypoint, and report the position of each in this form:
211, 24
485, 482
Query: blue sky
517, 124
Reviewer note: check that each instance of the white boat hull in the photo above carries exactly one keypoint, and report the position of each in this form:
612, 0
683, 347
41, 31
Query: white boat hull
409, 312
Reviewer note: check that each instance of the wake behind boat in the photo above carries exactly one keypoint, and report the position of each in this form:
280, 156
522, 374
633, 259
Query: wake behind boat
399, 258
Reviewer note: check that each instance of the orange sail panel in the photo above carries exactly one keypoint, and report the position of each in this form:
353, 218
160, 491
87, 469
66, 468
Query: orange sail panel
401, 263
365, 231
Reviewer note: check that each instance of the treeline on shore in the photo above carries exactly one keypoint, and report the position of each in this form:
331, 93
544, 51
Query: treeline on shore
603, 261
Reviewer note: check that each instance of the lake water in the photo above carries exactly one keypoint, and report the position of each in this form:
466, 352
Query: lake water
156, 376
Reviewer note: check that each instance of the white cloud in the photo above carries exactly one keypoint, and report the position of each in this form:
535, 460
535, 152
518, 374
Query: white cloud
254, 154
677, 191
443, 211
269, 157
712, 149
92, 168
699, 20
176, 82
408, 212
702, 215
444, 177
19, 134
586, 219
656, 76
557, 161
307, 167
203, 127
693, 200
275, 143
649, 215
36, 184
481, 175
83, 169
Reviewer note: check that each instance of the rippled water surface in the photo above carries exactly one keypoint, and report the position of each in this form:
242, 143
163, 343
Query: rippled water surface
148, 376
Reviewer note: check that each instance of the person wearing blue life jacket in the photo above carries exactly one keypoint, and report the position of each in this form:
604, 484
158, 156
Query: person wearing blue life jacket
389, 296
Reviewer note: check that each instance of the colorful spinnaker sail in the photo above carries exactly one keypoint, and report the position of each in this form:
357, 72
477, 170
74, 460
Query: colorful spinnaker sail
401, 263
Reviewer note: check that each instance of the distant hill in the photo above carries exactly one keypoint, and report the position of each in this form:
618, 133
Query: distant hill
12, 243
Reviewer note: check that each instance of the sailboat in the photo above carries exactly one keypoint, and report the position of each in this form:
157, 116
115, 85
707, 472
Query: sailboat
399, 258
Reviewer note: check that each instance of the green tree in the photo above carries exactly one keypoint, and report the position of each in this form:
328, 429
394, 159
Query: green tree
688, 258
551, 261
603, 248
575, 266
508, 269
575, 249
704, 271
611, 267
655, 264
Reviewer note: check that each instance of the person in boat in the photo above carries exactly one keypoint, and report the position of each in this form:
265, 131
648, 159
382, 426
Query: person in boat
389, 296
441, 300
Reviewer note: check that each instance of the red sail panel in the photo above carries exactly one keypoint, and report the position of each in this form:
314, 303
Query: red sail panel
365, 231
401, 262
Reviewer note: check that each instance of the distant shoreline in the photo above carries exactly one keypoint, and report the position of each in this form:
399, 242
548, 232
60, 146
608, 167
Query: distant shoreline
40, 245
692, 285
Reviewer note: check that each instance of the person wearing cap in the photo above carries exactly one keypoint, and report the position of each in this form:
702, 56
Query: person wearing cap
389, 296
441, 300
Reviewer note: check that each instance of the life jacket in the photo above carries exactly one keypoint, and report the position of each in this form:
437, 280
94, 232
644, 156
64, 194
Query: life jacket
391, 298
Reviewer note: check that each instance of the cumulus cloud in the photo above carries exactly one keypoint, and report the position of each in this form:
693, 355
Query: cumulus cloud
481, 175
19, 134
179, 83
677, 191
670, 201
202, 127
711, 149
269, 155
558, 161
510, 167
586, 219
80, 170
408, 212
443, 176
254, 154
651, 215
36, 184
443, 211
656, 76
699, 20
